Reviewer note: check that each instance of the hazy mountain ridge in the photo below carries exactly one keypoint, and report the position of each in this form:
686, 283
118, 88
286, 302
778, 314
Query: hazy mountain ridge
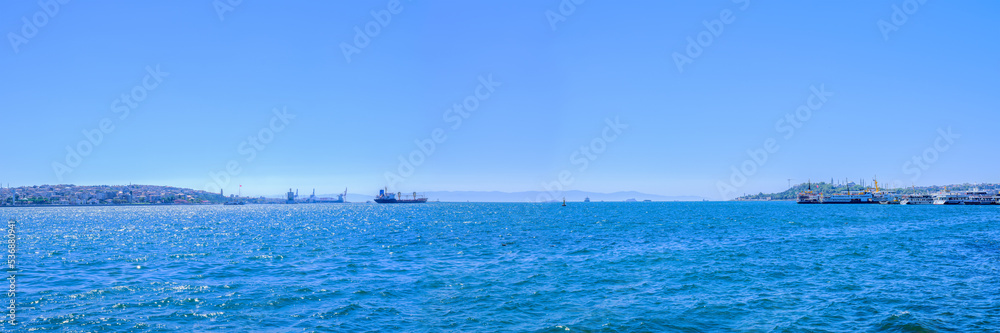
538, 196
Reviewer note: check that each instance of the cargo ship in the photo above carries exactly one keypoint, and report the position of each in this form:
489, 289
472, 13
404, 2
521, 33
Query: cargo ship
384, 197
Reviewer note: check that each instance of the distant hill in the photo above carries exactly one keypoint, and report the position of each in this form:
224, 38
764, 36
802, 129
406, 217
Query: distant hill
133, 194
827, 188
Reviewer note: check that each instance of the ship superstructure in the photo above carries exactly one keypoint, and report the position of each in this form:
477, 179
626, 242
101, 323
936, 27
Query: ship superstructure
808, 197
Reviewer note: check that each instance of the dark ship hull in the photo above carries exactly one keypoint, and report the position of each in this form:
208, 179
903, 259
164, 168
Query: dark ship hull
418, 200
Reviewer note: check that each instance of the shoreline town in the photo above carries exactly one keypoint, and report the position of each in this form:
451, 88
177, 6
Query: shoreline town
876, 195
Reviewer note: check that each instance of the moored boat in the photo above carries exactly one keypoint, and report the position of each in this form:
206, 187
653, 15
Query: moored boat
808, 197
864, 197
889, 198
849, 198
977, 197
922, 199
948, 198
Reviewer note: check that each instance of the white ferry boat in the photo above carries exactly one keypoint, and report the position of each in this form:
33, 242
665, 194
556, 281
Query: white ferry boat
977, 197
923, 199
864, 197
851, 198
950, 198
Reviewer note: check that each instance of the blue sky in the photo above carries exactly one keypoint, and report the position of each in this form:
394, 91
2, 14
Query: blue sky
555, 91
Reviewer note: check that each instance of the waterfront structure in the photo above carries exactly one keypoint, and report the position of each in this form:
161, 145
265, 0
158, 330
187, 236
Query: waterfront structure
341, 198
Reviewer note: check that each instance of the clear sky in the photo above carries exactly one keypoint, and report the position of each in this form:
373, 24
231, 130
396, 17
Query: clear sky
560, 76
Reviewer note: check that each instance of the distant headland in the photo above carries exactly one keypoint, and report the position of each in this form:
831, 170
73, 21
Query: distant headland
73, 195
830, 188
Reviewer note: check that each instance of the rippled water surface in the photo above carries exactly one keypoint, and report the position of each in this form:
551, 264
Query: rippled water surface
607, 267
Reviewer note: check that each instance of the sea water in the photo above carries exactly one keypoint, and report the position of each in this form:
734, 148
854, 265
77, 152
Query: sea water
602, 267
